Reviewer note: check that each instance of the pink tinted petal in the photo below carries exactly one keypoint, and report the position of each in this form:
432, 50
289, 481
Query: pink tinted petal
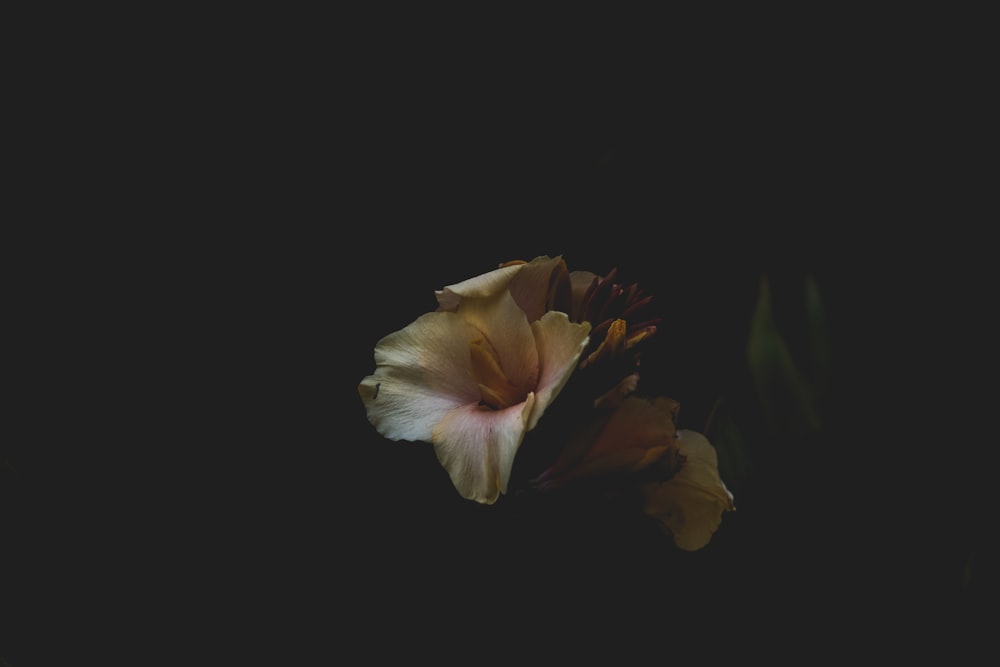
504, 325
422, 372
477, 447
480, 286
560, 344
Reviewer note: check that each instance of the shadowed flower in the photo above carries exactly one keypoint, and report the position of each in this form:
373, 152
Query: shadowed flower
624, 440
477, 374
676, 471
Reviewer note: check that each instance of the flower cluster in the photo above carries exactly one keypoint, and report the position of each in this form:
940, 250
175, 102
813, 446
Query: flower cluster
532, 339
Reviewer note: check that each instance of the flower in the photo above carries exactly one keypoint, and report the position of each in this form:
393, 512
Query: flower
677, 471
475, 376
478, 373
627, 439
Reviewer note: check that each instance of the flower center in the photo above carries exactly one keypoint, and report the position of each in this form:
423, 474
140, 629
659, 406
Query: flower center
495, 390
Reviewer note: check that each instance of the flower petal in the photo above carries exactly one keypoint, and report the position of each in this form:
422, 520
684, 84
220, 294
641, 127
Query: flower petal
638, 423
634, 436
580, 282
701, 466
541, 285
422, 373
477, 446
504, 324
691, 503
481, 286
560, 344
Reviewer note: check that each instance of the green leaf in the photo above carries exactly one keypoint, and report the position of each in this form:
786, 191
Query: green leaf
787, 399
819, 344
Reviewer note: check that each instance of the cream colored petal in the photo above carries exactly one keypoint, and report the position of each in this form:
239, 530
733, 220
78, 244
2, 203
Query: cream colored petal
701, 465
560, 344
477, 446
481, 286
505, 326
530, 288
691, 504
691, 514
422, 373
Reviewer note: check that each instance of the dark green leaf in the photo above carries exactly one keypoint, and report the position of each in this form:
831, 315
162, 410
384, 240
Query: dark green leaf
787, 399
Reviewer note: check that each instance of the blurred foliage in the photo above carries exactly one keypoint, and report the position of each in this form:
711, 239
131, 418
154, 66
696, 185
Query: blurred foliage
789, 394
788, 383
734, 460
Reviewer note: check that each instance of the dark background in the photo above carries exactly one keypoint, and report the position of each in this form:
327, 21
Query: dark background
263, 212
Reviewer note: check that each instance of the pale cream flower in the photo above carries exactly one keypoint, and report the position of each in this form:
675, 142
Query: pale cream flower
476, 375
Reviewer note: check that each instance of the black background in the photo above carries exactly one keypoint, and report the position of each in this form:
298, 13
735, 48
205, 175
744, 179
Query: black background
263, 211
